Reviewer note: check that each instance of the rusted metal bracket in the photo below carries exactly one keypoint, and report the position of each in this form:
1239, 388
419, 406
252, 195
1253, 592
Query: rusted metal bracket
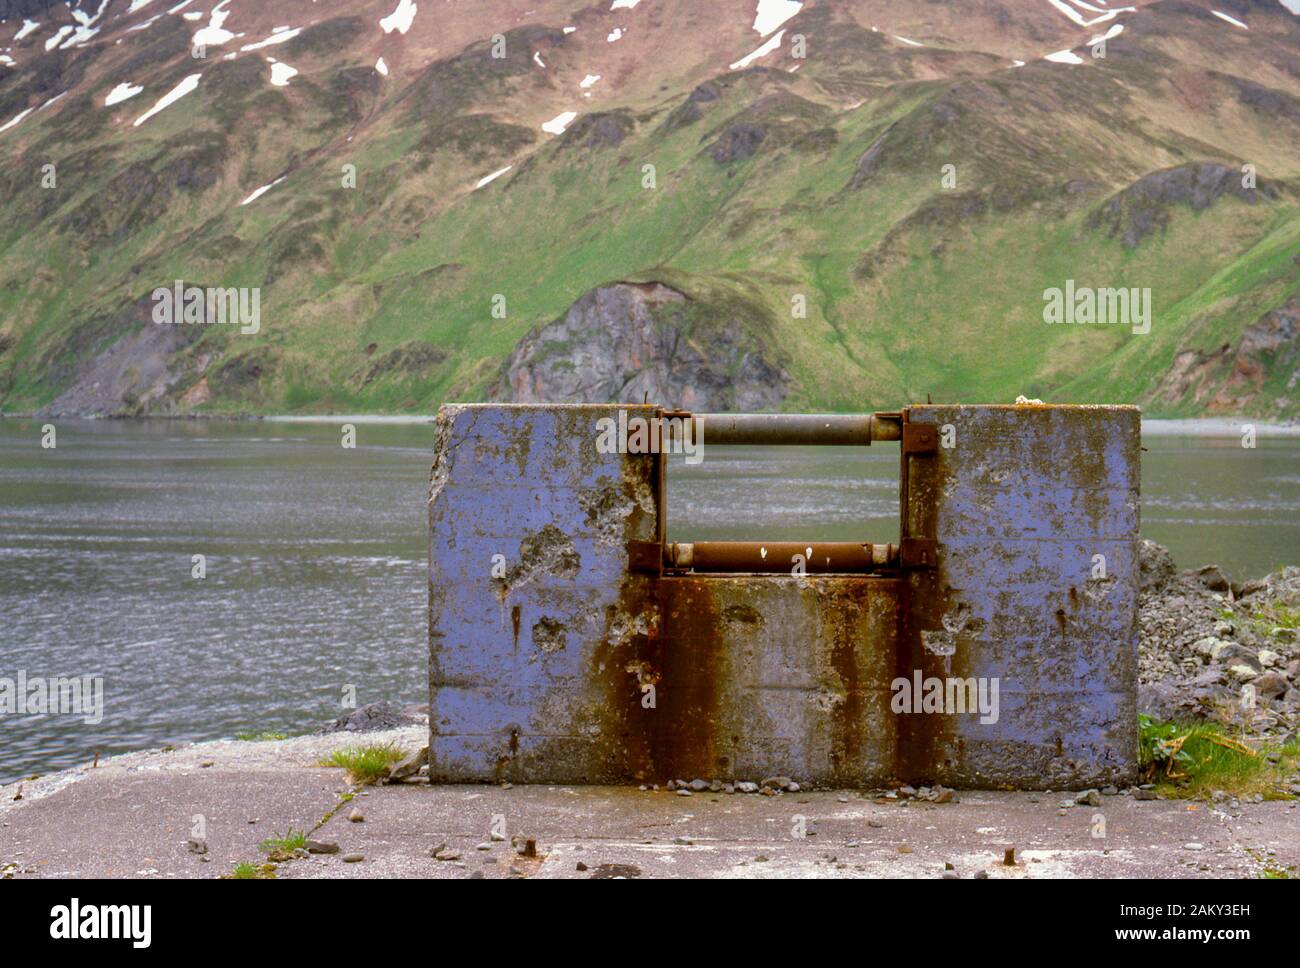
646, 557
918, 553
920, 439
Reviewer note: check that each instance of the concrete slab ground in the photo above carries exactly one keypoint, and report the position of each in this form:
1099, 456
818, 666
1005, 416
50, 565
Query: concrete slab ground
133, 815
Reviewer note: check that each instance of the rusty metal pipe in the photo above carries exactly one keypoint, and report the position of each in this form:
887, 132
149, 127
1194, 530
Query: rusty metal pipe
779, 557
856, 429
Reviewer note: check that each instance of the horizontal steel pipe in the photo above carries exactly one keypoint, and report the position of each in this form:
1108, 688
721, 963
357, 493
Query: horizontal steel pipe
779, 557
856, 429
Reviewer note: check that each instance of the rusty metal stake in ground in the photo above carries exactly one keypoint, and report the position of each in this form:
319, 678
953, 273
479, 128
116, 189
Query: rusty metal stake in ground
991, 641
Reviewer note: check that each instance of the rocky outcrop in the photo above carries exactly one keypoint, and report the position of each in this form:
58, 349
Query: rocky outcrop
135, 373
1210, 649
737, 142
377, 716
606, 129
1230, 379
412, 360
629, 342
1143, 207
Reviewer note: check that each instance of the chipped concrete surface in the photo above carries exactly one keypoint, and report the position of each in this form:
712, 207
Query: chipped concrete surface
131, 817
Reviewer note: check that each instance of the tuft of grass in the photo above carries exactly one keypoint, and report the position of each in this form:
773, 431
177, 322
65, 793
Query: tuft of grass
245, 871
1196, 760
289, 841
251, 737
365, 764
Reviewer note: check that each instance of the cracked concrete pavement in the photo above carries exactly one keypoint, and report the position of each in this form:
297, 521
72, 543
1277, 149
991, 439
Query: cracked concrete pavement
133, 815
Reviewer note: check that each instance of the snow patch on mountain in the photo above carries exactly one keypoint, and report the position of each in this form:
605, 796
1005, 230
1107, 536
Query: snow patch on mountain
122, 92
258, 193
16, 120
215, 33
171, 97
281, 73
1103, 15
1114, 31
1232, 20
558, 123
275, 38
768, 46
401, 18
58, 38
492, 177
773, 13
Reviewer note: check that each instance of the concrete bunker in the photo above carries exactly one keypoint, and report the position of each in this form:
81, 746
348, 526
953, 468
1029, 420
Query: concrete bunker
991, 643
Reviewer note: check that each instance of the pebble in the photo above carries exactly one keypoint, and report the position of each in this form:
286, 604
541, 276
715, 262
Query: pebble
483, 847
1193, 846
353, 858
356, 816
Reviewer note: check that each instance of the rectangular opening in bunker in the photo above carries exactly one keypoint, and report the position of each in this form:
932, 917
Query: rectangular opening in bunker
786, 500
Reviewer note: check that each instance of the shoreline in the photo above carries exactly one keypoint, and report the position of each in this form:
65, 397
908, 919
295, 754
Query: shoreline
1207, 427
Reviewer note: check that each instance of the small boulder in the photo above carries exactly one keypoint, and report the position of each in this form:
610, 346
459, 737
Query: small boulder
1271, 685
1209, 577
409, 766
1155, 566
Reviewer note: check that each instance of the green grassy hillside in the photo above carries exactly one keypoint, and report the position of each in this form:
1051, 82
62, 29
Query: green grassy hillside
773, 188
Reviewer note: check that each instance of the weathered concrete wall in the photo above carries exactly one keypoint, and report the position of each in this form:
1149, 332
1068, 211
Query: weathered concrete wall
773, 675
533, 669
1022, 504
562, 665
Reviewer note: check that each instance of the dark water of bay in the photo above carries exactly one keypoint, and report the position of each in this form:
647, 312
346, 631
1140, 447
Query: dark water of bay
315, 559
